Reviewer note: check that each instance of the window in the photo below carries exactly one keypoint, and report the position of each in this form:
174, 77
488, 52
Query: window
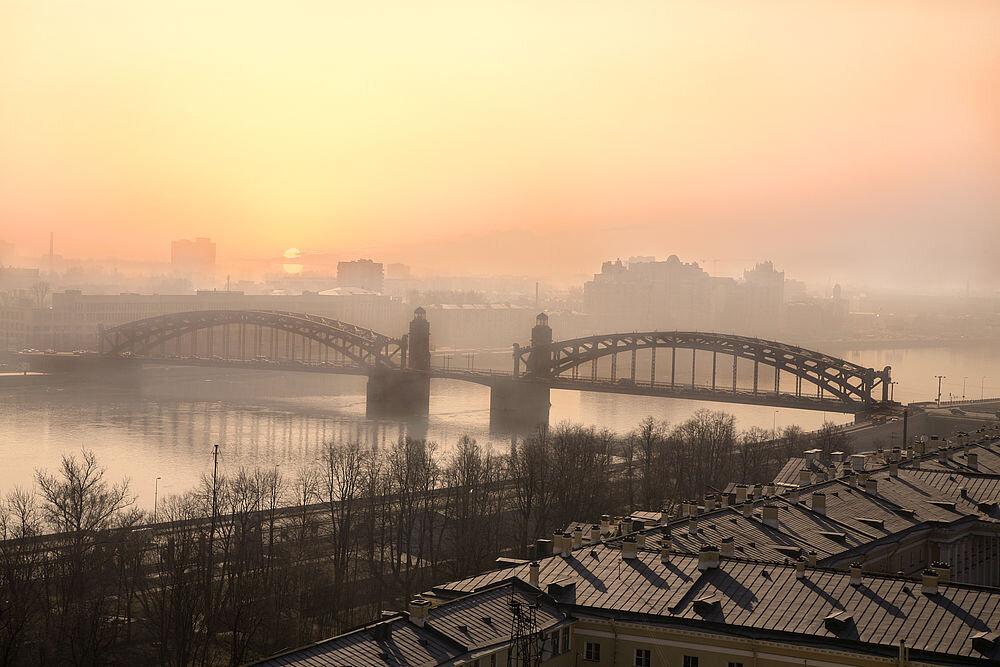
493, 660
592, 651
736, 664
564, 646
642, 658
690, 661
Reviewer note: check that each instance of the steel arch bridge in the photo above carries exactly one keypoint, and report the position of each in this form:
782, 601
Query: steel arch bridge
854, 385
364, 347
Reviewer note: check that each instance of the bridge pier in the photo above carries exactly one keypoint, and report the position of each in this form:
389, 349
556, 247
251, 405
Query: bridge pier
397, 393
518, 405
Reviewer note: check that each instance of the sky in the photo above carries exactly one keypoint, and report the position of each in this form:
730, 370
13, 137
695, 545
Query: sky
837, 138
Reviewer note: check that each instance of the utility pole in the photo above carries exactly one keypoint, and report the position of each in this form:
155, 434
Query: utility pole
939, 378
156, 491
210, 557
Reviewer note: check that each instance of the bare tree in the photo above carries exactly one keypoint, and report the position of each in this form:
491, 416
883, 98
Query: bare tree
79, 503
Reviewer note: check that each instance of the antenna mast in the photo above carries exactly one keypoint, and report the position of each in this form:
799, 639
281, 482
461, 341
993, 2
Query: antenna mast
523, 648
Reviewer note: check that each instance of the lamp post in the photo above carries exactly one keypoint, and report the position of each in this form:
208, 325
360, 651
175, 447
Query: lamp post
774, 425
939, 378
963, 386
156, 493
982, 388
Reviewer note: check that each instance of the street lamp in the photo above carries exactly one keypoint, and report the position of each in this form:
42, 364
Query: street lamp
963, 386
156, 493
774, 424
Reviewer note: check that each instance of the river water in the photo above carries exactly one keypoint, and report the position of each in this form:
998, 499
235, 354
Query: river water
266, 418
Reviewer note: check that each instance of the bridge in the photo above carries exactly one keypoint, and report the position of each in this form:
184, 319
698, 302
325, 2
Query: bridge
399, 368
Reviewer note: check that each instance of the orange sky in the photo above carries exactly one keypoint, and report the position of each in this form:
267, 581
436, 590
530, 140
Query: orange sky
507, 135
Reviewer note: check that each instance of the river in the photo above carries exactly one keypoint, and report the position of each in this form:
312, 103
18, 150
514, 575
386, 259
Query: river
266, 418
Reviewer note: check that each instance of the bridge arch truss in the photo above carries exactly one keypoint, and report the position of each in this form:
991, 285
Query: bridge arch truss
851, 383
362, 346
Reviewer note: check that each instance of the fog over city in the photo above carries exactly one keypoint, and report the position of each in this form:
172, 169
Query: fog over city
499, 333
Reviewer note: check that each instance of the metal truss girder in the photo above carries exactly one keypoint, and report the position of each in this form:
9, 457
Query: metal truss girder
364, 346
846, 380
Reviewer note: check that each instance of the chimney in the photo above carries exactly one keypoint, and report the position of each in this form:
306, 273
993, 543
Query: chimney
557, 543
578, 537
741, 493
930, 582
895, 455
748, 509
972, 459
595, 534
628, 548
728, 547
567, 541
418, 610
693, 526
862, 478
533, 571
800, 567
793, 496
709, 503
943, 570
769, 490
819, 503
771, 515
857, 462
640, 540
855, 573
942, 455
811, 456
871, 486
811, 559
543, 547
665, 550
920, 447
605, 524
708, 558
893, 469
837, 457
852, 481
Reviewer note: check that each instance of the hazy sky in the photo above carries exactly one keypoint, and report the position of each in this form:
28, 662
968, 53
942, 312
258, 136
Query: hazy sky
509, 136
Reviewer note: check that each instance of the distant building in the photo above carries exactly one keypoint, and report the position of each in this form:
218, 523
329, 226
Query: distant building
194, 259
763, 298
649, 295
363, 273
398, 272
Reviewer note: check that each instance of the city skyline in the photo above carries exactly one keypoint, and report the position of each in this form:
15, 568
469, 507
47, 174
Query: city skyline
500, 139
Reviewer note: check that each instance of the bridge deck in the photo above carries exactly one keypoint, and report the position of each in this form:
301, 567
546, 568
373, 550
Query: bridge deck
603, 385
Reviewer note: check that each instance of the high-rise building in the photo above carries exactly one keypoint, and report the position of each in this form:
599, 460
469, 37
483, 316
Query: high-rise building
194, 259
363, 273
764, 297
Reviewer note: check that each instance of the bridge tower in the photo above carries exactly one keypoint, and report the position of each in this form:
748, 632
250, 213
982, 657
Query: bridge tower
520, 404
419, 342
540, 358
404, 392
